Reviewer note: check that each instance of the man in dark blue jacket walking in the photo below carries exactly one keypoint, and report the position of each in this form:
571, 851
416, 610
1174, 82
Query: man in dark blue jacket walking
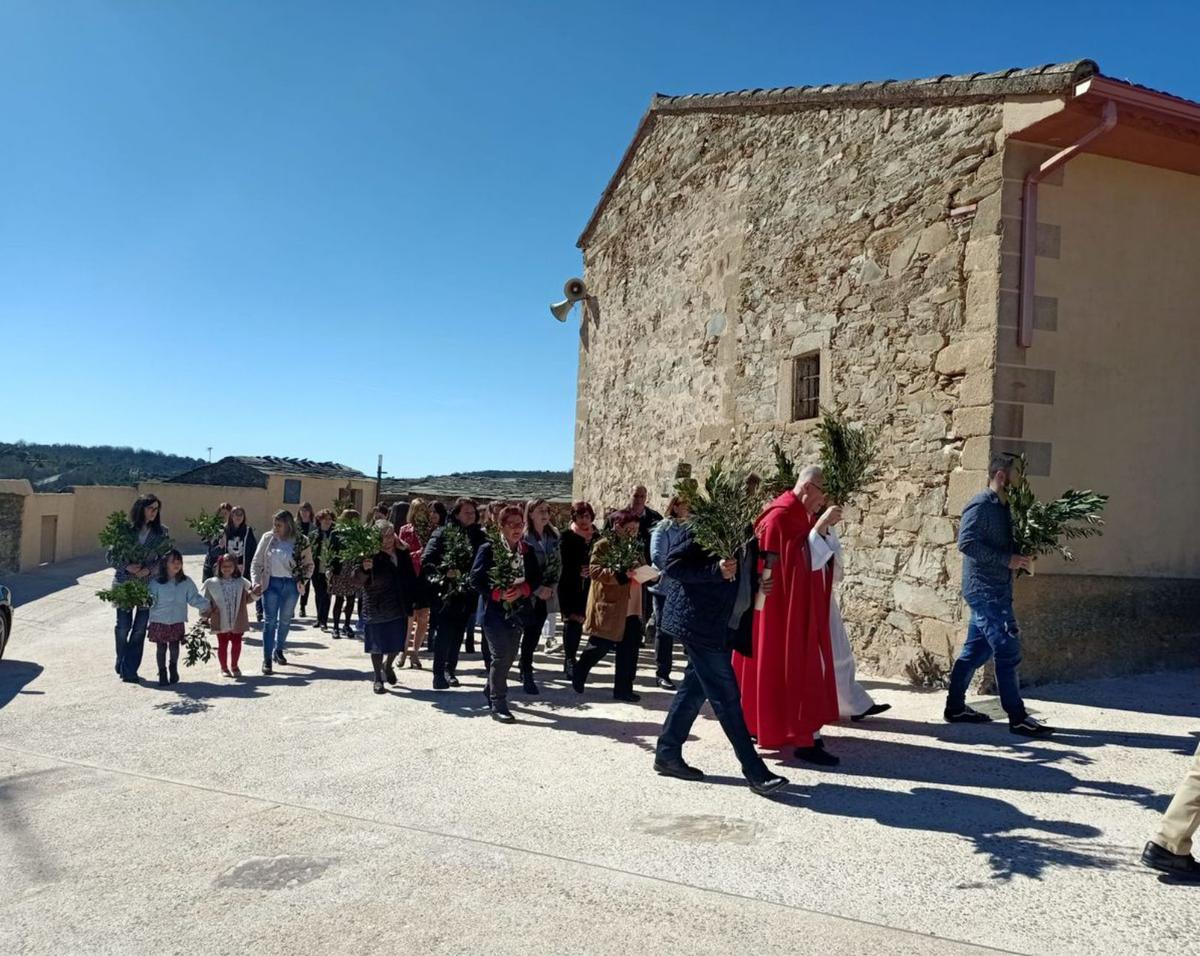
985, 539
708, 608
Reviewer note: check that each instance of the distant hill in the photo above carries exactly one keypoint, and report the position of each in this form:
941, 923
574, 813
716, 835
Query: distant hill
58, 467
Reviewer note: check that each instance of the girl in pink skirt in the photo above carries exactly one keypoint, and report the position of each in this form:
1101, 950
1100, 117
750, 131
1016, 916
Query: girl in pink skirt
173, 591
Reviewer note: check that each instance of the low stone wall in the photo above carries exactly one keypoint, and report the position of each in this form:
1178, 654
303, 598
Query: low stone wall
11, 509
1081, 626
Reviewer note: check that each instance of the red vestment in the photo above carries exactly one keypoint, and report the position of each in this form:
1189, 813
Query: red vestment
789, 689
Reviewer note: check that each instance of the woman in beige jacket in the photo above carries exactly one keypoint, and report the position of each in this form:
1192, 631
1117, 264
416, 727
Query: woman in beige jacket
614, 616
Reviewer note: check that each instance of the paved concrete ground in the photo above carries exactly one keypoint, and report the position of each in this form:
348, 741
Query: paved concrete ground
304, 814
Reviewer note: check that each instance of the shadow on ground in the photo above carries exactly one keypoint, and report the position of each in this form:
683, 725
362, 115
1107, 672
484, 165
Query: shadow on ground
15, 676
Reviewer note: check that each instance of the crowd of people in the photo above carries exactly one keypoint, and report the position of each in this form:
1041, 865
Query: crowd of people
761, 630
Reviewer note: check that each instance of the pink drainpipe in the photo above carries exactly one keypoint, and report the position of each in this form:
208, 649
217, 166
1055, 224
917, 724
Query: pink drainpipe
1029, 198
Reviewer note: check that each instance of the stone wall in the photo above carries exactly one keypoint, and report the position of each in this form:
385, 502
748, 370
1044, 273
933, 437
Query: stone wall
12, 507
737, 241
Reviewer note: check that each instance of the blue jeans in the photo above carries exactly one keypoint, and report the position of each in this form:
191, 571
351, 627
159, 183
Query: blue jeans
993, 630
709, 676
279, 602
131, 639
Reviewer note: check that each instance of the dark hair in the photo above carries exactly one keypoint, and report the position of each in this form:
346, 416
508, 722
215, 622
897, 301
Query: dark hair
237, 572
323, 514
440, 510
1000, 462
137, 514
311, 510
286, 517
349, 514
579, 508
163, 577
398, 515
462, 503
533, 503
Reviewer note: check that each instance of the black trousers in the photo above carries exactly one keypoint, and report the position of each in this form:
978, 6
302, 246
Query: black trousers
572, 635
626, 657
320, 585
337, 610
664, 644
532, 634
447, 643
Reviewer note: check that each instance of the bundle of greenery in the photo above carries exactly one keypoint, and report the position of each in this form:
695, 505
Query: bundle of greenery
722, 517
208, 527
452, 576
128, 595
1045, 527
847, 454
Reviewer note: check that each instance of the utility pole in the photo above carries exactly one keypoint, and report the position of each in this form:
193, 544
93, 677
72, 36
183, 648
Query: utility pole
379, 480
210, 454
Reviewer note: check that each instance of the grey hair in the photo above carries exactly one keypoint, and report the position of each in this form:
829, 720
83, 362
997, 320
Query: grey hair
383, 525
810, 473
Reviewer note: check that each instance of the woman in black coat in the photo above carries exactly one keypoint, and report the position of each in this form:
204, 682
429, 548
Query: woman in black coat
576, 550
504, 614
388, 582
453, 609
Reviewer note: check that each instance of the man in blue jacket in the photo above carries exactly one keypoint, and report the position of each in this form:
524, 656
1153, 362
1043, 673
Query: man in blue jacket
985, 539
708, 608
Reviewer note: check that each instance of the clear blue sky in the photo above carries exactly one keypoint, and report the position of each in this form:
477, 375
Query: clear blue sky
331, 229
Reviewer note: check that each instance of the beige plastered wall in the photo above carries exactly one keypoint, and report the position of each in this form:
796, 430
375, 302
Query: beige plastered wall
37, 507
1118, 264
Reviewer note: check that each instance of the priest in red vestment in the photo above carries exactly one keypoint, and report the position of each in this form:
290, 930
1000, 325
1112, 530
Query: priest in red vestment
789, 687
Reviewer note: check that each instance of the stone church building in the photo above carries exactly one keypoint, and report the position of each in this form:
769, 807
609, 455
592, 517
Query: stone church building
977, 263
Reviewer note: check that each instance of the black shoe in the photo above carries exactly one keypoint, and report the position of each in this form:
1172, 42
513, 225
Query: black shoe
173, 674
267, 669
678, 769
278, 658
130, 680
568, 668
578, 682
162, 677
764, 788
531, 687
501, 713
452, 680
1030, 727
665, 683
379, 688
816, 755
968, 715
337, 633
1179, 865
629, 698
389, 674
871, 711
440, 682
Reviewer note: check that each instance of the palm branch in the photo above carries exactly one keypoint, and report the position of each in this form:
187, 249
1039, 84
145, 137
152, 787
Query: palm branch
847, 453
1044, 527
722, 517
